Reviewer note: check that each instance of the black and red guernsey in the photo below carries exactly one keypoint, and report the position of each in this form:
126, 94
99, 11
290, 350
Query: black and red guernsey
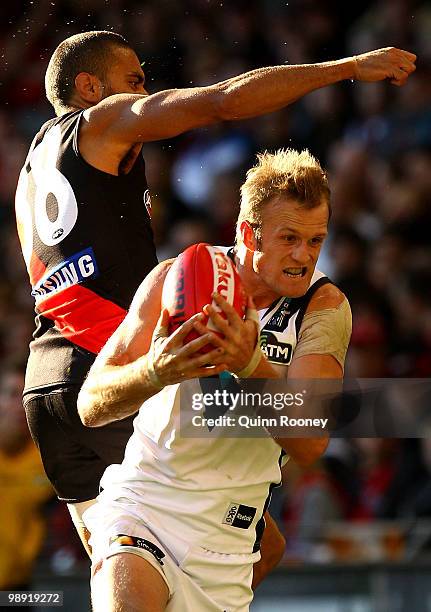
87, 241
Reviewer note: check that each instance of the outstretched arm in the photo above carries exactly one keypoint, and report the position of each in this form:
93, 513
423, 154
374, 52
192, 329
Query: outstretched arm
129, 118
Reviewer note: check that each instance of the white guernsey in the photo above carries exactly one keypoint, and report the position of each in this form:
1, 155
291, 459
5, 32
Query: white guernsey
187, 504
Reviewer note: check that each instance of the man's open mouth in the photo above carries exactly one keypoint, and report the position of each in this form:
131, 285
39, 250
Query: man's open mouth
295, 272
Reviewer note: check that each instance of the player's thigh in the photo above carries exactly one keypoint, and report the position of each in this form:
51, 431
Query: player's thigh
126, 582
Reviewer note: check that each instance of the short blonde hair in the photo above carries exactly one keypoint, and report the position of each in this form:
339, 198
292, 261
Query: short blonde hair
296, 175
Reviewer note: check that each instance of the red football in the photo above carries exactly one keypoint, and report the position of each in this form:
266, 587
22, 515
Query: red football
196, 273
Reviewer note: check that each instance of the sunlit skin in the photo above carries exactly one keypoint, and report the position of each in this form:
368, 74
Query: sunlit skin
292, 237
125, 74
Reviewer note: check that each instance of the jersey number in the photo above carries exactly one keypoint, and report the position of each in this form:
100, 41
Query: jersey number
48, 181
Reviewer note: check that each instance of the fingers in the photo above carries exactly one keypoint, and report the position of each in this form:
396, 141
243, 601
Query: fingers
230, 312
229, 326
408, 66
405, 70
234, 329
193, 346
399, 77
251, 313
214, 339
200, 365
401, 65
161, 329
214, 357
401, 73
209, 371
406, 57
404, 66
179, 335
398, 82
410, 56
388, 63
219, 322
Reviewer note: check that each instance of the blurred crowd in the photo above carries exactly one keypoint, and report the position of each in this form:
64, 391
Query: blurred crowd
374, 140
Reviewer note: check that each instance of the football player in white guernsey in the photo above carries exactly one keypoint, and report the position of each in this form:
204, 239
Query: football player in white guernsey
176, 525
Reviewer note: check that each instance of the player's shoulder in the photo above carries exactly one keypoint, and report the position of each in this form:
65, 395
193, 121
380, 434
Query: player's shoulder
158, 273
326, 296
162, 268
105, 114
151, 287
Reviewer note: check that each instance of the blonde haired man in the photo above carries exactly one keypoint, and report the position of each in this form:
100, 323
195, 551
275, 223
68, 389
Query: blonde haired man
159, 533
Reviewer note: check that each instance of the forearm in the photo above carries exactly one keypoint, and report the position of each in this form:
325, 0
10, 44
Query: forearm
114, 392
264, 370
171, 112
303, 451
268, 89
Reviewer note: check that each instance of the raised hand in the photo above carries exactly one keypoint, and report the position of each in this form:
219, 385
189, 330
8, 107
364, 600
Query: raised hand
172, 361
388, 63
240, 336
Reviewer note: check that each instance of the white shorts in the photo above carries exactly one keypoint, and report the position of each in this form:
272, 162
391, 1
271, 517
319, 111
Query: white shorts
202, 580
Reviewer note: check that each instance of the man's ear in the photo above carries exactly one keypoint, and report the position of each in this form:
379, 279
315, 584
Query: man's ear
248, 237
89, 88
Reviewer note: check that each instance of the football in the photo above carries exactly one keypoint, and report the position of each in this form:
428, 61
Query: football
196, 273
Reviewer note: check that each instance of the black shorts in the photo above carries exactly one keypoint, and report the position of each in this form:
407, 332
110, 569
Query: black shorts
74, 456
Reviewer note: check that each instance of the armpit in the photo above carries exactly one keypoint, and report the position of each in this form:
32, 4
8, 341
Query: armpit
326, 332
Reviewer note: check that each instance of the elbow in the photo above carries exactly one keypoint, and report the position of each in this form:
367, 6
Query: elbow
227, 105
304, 451
85, 411
311, 452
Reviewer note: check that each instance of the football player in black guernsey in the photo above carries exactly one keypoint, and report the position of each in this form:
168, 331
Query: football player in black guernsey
83, 219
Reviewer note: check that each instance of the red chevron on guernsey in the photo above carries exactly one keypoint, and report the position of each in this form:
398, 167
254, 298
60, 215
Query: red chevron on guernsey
82, 316
36, 269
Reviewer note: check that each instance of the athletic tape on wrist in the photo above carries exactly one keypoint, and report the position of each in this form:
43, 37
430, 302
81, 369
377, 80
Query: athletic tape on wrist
251, 314
152, 374
252, 364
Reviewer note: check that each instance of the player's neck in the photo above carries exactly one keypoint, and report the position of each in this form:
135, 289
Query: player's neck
263, 296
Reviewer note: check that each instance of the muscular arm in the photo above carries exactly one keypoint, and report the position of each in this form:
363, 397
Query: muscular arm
322, 344
319, 353
128, 118
118, 382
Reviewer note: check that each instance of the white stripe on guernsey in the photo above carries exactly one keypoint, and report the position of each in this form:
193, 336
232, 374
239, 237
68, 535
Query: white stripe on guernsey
317, 275
224, 280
